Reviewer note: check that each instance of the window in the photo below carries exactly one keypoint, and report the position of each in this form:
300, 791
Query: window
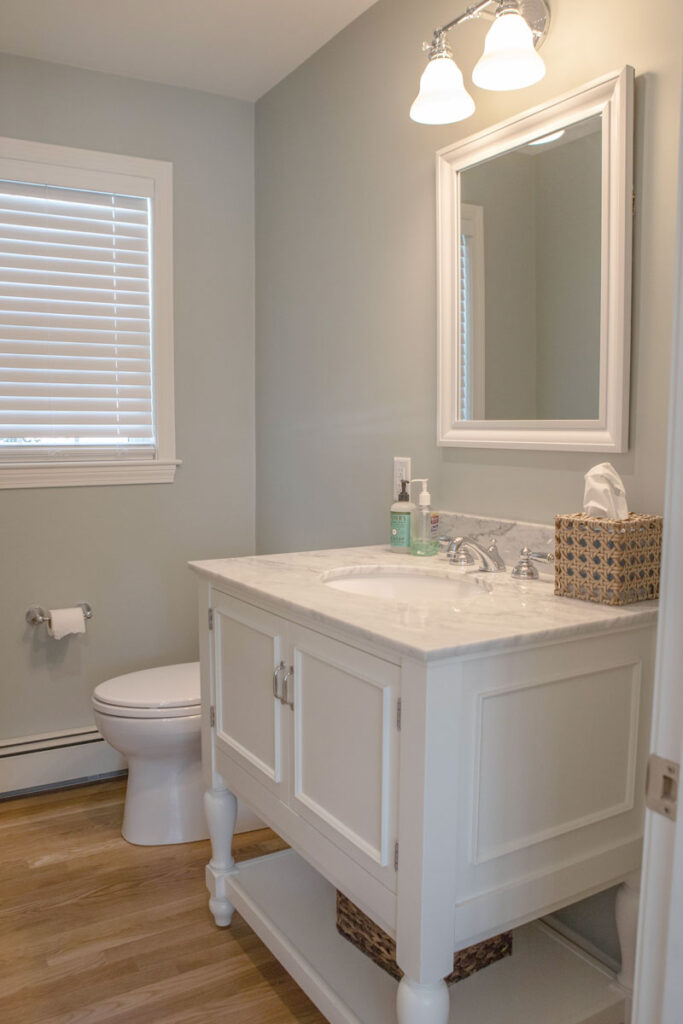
470, 361
86, 328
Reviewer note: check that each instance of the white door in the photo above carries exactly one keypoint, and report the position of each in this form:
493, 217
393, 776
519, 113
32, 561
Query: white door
345, 750
251, 722
658, 996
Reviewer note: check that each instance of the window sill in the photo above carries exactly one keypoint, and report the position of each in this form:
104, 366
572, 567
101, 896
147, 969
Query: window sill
86, 474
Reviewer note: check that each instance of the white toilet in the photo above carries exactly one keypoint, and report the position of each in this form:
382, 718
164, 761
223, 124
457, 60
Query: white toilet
153, 718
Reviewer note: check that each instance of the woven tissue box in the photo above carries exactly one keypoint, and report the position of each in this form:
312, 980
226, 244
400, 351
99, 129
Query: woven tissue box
363, 933
611, 561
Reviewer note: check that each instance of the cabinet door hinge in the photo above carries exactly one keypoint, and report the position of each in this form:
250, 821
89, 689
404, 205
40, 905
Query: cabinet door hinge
661, 788
396, 855
212, 716
398, 714
210, 618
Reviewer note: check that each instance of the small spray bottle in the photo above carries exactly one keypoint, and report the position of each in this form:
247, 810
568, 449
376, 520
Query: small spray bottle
424, 524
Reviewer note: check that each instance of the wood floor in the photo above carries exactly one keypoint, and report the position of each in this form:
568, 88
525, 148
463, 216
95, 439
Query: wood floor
93, 930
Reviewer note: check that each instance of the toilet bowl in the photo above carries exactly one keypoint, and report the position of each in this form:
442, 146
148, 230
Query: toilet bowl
153, 718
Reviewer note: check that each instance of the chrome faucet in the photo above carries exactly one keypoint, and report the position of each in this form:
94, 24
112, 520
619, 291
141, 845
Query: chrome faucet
489, 557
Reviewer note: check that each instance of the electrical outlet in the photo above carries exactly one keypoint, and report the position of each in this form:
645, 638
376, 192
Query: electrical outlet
401, 472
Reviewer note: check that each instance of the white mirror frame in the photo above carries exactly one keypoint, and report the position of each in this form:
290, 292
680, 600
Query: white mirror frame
612, 98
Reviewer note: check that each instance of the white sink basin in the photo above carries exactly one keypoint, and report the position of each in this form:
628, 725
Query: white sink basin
402, 583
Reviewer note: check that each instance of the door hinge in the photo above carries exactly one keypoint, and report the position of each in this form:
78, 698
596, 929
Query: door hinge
398, 714
210, 618
661, 788
633, 204
212, 716
396, 855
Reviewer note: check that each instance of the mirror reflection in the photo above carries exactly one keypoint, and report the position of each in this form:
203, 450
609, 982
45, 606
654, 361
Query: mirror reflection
531, 280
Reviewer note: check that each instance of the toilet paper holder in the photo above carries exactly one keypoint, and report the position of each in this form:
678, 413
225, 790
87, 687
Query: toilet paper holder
36, 615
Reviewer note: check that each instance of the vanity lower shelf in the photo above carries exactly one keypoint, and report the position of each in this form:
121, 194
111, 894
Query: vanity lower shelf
292, 909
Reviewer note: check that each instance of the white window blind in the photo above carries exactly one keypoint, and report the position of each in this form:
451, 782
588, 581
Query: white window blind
466, 341
76, 370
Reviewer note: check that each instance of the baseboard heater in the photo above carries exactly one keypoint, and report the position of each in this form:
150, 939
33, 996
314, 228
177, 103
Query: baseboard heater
31, 762
50, 741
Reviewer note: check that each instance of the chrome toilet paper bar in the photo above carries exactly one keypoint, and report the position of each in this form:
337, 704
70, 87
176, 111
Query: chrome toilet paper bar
36, 615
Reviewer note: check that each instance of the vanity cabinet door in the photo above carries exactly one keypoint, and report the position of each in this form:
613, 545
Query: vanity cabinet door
251, 724
345, 749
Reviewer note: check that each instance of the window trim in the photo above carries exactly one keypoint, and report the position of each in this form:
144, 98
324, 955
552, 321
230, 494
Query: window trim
109, 172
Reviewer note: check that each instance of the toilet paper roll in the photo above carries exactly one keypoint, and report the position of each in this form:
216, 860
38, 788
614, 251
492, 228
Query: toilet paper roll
65, 621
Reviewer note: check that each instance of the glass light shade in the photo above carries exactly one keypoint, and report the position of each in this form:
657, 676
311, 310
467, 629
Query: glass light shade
545, 139
509, 60
442, 98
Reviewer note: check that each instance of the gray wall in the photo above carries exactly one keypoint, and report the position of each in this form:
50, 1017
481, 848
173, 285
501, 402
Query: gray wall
541, 211
345, 256
345, 248
124, 548
568, 199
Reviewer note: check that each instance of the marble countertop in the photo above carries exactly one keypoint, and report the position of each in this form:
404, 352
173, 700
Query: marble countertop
499, 613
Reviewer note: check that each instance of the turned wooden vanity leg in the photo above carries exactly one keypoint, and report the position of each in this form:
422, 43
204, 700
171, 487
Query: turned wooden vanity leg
418, 1004
221, 813
627, 905
422, 1004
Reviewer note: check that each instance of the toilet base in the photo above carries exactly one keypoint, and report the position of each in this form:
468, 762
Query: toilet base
164, 802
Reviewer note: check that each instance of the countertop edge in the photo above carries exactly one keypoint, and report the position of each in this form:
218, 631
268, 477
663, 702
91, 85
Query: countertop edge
640, 617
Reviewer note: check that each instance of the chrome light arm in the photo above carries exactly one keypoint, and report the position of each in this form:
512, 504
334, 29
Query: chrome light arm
535, 12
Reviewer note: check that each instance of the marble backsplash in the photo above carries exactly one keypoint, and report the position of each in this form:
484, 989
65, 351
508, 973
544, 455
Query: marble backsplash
511, 536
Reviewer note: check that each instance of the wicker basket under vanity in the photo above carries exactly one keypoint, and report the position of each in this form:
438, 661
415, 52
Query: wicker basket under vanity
610, 561
363, 933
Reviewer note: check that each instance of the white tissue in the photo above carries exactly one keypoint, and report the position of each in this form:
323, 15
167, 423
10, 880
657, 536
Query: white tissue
65, 621
605, 494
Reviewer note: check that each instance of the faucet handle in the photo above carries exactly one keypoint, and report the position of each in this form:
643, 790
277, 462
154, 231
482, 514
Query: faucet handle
458, 555
525, 569
542, 556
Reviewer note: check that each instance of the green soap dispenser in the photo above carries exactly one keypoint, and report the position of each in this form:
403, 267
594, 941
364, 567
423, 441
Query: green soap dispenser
400, 520
424, 524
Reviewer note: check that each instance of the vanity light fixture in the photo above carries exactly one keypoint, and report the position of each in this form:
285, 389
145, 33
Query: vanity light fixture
509, 61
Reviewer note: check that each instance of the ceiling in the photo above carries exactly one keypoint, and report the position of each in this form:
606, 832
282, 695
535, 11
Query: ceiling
238, 48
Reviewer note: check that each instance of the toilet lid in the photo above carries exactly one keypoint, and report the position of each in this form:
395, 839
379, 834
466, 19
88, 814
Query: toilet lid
168, 686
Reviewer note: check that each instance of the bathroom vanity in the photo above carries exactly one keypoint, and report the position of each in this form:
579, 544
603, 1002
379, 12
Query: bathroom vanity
458, 752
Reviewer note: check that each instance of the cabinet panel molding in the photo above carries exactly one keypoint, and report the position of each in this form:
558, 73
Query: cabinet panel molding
578, 735
345, 744
250, 726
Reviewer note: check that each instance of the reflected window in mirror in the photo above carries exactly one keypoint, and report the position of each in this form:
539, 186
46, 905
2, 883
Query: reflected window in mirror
472, 312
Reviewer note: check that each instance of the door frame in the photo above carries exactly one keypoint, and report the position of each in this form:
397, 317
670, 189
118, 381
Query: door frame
658, 993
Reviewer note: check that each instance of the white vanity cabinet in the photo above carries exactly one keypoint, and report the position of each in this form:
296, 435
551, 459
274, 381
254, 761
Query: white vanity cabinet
451, 793
315, 722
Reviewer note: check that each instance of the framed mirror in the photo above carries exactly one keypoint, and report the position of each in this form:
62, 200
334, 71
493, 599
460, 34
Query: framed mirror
534, 223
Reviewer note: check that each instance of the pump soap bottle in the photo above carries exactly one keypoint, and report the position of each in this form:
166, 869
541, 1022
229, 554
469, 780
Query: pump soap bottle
424, 524
400, 520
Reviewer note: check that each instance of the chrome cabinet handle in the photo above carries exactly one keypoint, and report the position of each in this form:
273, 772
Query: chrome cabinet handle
276, 682
288, 675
